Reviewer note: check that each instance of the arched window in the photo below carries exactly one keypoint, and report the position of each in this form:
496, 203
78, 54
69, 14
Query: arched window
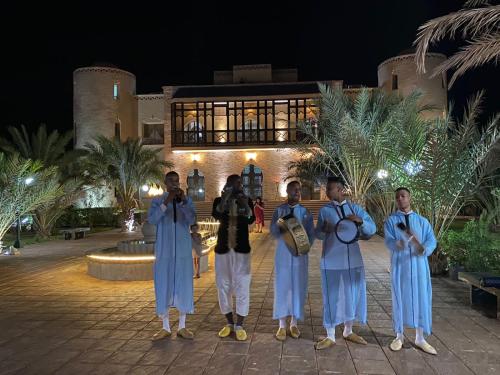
153, 132
252, 178
196, 185
193, 132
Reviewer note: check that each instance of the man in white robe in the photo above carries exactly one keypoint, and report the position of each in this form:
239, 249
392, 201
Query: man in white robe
173, 213
342, 268
290, 272
410, 240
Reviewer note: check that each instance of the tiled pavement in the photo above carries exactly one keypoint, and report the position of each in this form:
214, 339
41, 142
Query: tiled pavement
56, 319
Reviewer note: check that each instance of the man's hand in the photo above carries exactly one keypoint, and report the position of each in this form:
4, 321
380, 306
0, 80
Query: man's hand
356, 219
169, 198
182, 195
400, 244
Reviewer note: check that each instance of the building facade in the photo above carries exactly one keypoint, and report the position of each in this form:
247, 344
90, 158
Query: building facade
245, 123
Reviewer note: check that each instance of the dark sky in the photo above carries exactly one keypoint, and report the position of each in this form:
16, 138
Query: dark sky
183, 44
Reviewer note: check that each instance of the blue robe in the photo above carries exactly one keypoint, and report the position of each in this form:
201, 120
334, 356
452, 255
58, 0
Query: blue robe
342, 270
290, 272
410, 275
173, 268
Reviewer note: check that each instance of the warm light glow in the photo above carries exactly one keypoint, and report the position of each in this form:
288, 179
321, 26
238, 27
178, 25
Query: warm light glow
282, 190
131, 258
251, 156
231, 149
154, 191
307, 155
208, 223
195, 157
145, 188
382, 174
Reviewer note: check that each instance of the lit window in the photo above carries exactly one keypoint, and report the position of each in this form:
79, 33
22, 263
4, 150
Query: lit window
116, 91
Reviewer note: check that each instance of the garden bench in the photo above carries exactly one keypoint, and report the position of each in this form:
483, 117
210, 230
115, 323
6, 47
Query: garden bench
74, 232
485, 298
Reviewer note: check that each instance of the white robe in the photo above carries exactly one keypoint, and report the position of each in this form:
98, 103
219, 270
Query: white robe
410, 275
290, 272
173, 268
342, 270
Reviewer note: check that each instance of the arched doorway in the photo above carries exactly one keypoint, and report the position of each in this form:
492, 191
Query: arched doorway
196, 185
252, 178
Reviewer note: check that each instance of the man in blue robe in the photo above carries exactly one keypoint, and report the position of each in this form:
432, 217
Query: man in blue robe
410, 240
290, 272
342, 269
173, 213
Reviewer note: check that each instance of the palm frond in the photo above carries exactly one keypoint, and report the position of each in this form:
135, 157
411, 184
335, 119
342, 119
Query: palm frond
478, 52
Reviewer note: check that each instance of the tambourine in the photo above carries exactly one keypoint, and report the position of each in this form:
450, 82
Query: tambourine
347, 231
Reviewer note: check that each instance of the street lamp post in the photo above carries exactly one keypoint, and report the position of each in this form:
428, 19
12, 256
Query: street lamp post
17, 243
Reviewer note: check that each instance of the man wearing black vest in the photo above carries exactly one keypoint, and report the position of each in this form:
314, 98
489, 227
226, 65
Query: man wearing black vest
232, 255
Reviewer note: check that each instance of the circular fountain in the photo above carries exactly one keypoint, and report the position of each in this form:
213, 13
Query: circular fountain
134, 259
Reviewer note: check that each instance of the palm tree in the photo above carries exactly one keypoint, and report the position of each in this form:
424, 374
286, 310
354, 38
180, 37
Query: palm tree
47, 214
25, 185
50, 149
447, 170
124, 166
480, 24
356, 134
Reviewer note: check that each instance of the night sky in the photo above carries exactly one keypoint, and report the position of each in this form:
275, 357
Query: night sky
183, 44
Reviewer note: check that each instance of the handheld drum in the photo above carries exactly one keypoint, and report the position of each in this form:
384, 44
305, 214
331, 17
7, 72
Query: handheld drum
294, 235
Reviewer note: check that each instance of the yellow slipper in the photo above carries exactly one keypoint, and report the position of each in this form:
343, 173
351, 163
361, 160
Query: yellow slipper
323, 344
226, 330
281, 334
294, 332
161, 334
241, 334
356, 339
185, 334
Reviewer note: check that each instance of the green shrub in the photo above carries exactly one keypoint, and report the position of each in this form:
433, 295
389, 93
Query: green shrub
475, 247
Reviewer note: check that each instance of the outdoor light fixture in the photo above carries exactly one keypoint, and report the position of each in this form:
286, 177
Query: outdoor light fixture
412, 167
251, 156
145, 188
382, 174
195, 157
200, 190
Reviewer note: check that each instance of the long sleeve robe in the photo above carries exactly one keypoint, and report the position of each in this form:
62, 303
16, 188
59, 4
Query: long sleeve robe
410, 275
342, 270
290, 272
173, 268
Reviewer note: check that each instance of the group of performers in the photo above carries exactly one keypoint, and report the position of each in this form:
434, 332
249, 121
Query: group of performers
408, 236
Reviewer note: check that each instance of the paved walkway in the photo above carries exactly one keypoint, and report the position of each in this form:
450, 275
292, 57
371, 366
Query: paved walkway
56, 319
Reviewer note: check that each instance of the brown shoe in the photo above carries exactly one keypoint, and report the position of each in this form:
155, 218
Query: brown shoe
323, 344
356, 339
185, 334
281, 334
161, 334
294, 332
